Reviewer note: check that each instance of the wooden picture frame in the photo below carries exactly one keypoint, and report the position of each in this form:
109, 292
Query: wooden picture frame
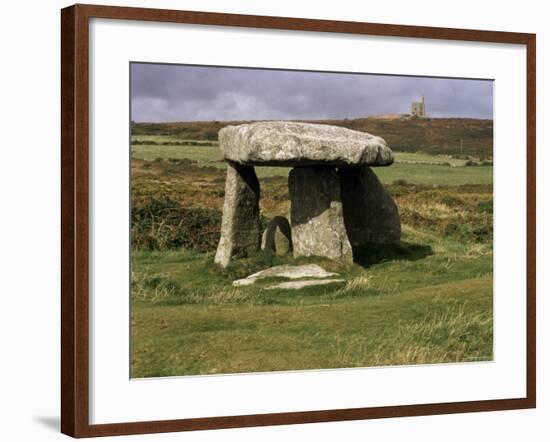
75, 220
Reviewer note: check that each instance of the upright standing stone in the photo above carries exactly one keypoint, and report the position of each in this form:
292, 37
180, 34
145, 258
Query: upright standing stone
241, 228
277, 236
370, 213
316, 214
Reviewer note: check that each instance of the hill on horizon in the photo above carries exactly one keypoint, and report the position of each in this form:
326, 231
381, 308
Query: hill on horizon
437, 136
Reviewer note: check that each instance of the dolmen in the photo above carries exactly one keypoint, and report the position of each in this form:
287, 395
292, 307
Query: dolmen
337, 202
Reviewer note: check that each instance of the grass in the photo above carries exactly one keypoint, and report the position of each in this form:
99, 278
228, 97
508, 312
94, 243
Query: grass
187, 319
169, 140
205, 155
422, 158
433, 304
406, 329
435, 175
426, 301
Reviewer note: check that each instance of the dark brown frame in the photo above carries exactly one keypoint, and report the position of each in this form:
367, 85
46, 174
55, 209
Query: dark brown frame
74, 220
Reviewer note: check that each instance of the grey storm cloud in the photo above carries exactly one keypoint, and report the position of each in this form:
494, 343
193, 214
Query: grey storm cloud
162, 92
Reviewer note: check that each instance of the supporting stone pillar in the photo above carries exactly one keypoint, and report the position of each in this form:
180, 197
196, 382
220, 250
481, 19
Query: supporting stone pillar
316, 214
241, 228
370, 213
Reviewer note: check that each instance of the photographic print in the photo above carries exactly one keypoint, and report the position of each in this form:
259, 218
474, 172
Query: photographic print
298, 220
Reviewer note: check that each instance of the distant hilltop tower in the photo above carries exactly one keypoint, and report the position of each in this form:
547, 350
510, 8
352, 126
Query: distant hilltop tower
418, 109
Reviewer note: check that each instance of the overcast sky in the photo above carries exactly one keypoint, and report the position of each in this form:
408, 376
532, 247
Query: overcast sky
161, 93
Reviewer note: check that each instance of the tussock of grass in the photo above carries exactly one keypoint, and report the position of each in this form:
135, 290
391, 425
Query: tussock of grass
451, 336
226, 296
360, 283
360, 286
153, 289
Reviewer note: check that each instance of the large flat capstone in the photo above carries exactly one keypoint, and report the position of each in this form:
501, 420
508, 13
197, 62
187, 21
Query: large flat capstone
286, 143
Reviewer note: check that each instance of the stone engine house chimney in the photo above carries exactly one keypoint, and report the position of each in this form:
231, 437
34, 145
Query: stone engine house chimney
418, 109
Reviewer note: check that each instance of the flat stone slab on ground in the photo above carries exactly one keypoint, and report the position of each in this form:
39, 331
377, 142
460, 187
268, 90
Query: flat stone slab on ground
286, 271
294, 285
286, 143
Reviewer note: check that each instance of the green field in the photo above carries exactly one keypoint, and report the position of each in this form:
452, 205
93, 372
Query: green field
427, 301
187, 319
413, 167
212, 153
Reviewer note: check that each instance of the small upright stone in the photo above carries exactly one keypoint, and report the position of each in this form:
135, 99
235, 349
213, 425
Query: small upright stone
370, 213
241, 228
316, 214
277, 236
